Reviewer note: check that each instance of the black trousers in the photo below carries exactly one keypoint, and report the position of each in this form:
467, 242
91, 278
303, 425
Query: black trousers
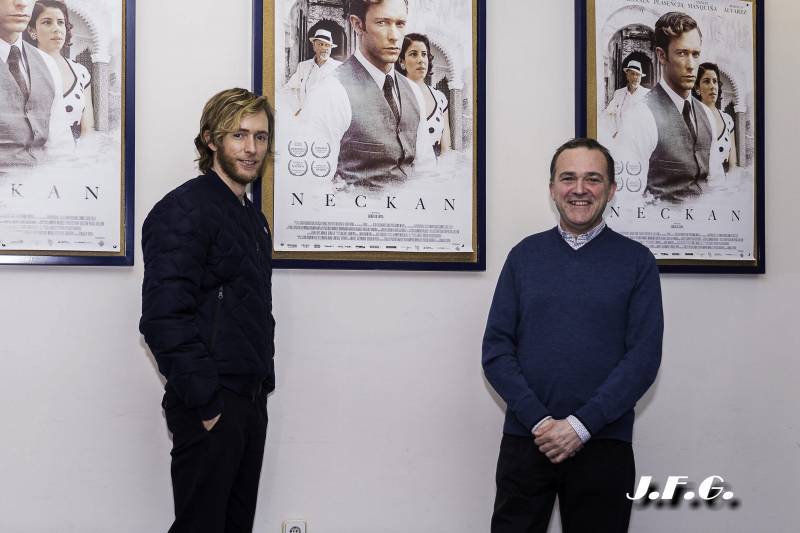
591, 488
215, 473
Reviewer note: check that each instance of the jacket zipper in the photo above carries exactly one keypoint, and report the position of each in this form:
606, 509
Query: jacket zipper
216, 318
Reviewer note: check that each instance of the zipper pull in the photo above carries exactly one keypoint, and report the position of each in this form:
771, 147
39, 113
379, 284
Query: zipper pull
219, 293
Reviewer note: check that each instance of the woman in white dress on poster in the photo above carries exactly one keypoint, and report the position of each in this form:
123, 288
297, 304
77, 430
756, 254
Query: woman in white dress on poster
708, 89
50, 30
416, 63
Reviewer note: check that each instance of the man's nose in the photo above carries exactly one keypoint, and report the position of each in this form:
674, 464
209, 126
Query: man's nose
579, 186
394, 33
250, 144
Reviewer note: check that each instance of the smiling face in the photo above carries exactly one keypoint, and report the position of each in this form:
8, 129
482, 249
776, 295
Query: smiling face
708, 88
681, 61
382, 32
415, 61
322, 51
50, 30
581, 189
242, 153
14, 17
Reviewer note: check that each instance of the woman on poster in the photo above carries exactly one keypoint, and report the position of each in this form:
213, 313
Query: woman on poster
50, 30
416, 63
708, 89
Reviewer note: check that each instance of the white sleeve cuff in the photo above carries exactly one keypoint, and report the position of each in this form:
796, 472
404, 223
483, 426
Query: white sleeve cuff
540, 422
579, 428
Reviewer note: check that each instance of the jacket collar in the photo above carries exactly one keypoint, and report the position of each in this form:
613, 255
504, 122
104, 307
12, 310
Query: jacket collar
224, 190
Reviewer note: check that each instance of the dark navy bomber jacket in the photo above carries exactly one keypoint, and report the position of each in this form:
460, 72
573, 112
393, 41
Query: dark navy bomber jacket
206, 294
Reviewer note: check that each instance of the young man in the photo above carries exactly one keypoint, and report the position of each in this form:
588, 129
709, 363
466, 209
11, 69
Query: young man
573, 340
32, 116
312, 71
367, 112
207, 317
671, 134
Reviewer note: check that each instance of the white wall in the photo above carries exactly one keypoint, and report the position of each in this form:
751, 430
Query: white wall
382, 421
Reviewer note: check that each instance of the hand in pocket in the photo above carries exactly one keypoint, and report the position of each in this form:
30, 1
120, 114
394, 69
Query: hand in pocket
211, 422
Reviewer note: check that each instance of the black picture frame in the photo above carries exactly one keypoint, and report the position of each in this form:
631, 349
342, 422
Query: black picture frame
263, 74
588, 119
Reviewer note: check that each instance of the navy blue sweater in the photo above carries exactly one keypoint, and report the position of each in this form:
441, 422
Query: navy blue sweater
575, 332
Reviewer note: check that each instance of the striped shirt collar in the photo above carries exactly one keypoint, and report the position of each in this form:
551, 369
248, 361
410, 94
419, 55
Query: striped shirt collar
576, 241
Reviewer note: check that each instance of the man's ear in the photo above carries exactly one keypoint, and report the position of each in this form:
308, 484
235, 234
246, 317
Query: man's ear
661, 55
209, 140
357, 24
612, 190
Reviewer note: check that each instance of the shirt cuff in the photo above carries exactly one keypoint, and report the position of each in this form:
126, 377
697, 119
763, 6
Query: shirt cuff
540, 422
579, 428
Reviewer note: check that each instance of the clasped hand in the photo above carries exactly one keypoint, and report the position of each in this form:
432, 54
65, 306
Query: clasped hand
557, 440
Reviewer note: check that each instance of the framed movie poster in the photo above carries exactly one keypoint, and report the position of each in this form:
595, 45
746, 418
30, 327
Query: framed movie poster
675, 90
379, 149
66, 132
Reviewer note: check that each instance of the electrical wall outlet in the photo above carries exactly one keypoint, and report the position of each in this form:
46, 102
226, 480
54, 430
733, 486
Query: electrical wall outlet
294, 526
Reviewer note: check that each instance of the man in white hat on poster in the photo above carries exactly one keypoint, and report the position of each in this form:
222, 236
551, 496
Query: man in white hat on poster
314, 70
626, 97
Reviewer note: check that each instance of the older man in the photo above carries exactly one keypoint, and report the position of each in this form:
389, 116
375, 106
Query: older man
312, 71
573, 340
670, 136
369, 114
626, 97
